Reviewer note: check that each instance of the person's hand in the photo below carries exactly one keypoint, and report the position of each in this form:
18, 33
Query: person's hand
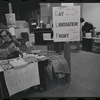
12, 48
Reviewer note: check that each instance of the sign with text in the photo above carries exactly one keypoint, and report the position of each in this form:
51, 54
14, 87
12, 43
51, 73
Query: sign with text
22, 78
10, 18
66, 23
46, 36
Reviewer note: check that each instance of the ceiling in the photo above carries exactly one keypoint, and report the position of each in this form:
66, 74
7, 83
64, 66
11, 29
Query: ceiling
19, 7
20, 4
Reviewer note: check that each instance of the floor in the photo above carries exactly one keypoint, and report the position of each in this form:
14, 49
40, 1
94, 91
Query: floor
85, 78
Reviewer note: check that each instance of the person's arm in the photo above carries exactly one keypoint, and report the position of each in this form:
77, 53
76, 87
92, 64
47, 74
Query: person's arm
17, 43
12, 48
4, 53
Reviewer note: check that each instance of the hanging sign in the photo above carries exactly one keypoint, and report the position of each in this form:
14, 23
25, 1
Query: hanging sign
66, 23
10, 18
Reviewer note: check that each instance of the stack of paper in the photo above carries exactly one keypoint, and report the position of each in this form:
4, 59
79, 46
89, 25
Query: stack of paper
30, 58
16, 63
36, 51
41, 58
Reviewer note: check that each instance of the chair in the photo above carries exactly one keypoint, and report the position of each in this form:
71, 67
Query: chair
32, 48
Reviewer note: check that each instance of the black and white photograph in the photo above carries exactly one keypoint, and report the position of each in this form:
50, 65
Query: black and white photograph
49, 50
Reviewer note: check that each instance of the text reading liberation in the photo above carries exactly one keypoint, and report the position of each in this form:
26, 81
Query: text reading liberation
65, 24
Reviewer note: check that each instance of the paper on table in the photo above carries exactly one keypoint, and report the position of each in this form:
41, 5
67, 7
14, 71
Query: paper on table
36, 51
42, 58
18, 63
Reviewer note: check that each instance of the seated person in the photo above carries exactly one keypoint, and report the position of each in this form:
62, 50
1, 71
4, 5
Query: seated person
9, 46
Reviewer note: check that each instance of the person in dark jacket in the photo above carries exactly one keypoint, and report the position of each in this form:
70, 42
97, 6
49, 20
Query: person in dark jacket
87, 28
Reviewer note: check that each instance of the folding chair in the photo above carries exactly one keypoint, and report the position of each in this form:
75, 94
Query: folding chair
32, 48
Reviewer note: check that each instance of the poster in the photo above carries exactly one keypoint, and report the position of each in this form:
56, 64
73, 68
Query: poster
66, 23
10, 18
22, 78
46, 36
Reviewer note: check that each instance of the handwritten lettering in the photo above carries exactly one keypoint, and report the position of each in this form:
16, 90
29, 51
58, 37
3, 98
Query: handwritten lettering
59, 13
62, 35
65, 24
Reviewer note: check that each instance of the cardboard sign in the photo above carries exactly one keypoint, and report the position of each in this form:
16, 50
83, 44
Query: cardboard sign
32, 38
10, 18
88, 35
66, 23
46, 36
22, 78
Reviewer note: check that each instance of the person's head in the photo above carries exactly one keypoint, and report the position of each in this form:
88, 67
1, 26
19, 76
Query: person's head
82, 20
5, 35
86, 24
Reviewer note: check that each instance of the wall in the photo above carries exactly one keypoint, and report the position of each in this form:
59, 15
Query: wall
90, 12
46, 11
22, 27
79, 4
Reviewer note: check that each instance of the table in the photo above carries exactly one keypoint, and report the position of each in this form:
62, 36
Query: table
45, 83
54, 46
38, 33
87, 44
42, 74
49, 40
96, 44
96, 40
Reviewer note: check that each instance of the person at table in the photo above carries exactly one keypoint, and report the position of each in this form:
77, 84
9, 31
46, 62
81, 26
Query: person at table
87, 28
9, 47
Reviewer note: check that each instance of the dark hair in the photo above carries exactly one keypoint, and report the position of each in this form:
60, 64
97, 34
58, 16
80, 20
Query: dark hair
82, 20
87, 27
7, 32
86, 23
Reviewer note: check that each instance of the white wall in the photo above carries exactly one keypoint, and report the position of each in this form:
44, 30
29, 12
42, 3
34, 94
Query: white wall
91, 13
79, 4
23, 26
46, 11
